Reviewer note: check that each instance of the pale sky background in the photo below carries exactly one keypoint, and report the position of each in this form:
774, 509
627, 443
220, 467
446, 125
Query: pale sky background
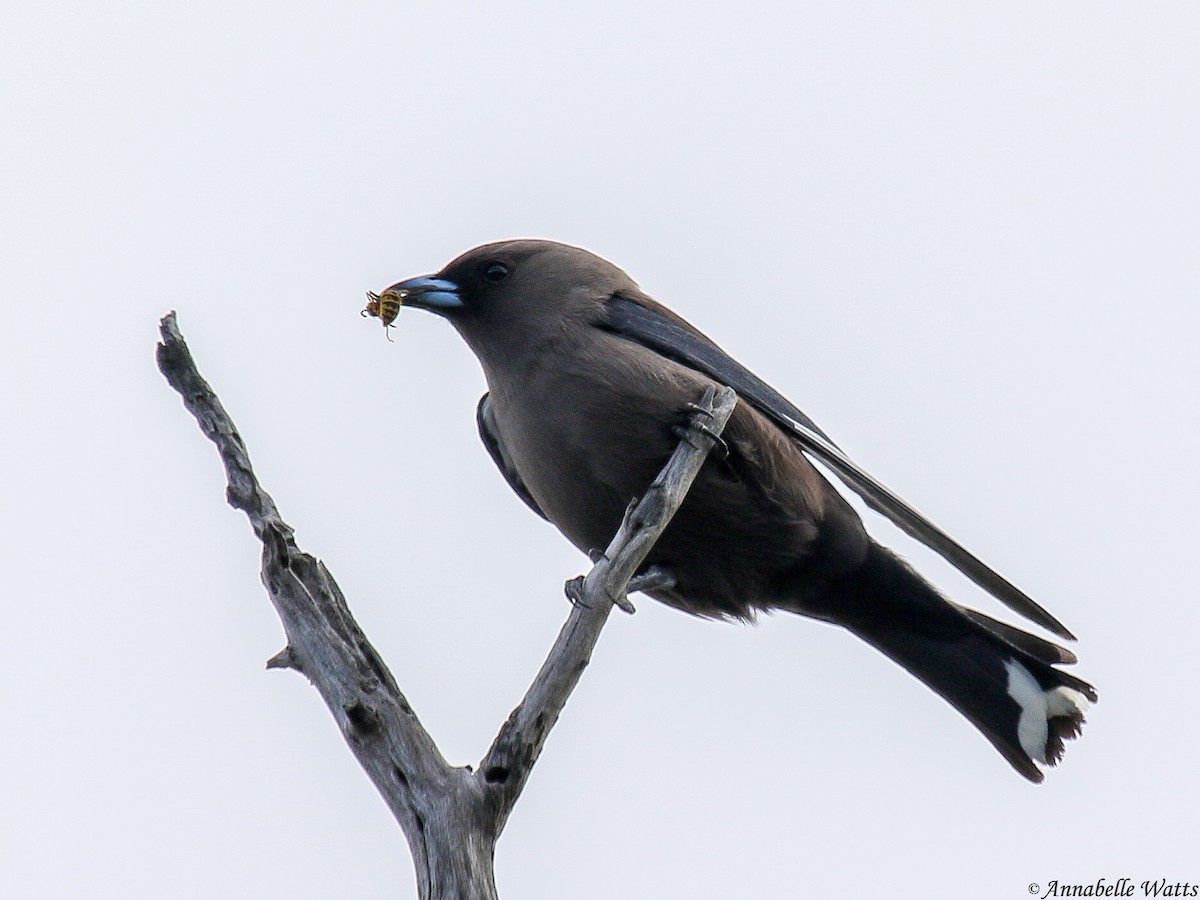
963, 237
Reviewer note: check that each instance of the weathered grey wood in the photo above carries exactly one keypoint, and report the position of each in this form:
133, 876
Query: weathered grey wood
451, 816
325, 644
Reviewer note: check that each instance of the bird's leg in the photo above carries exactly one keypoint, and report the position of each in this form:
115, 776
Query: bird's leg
652, 578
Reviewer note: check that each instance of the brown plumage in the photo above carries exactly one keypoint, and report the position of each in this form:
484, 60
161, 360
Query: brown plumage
588, 380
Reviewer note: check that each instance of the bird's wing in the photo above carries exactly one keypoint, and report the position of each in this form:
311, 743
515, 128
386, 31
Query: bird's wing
491, 440
649, 323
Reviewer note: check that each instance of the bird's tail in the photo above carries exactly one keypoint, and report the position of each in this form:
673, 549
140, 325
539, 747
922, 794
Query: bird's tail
1001, 678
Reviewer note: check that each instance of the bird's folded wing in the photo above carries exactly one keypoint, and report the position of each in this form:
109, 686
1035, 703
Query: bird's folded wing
649, 323
491, 440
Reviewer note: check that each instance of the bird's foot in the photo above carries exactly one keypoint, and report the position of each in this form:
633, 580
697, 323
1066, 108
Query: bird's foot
696, 416
624, 604
574, 591
652, 578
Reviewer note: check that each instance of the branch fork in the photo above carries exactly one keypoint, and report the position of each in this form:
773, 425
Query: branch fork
451, 816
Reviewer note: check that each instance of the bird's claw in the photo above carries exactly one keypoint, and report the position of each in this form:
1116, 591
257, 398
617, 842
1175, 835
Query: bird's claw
652, 578
624, 604
574, 591
720, 449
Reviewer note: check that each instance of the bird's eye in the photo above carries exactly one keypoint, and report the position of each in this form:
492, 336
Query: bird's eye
495, 271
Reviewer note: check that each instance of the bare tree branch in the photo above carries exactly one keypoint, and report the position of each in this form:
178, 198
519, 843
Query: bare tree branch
323, 640
451, 816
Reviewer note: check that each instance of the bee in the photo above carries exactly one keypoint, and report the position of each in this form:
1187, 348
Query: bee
385, 306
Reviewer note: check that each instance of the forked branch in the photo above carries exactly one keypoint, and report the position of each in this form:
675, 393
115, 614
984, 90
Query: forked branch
450, 815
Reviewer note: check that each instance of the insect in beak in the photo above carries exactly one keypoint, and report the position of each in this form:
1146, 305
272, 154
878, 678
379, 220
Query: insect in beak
385, 306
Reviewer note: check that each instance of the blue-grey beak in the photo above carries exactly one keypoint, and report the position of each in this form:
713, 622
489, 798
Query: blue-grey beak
426, 292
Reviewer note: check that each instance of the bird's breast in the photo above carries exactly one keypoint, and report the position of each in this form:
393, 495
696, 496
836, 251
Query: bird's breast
589, 432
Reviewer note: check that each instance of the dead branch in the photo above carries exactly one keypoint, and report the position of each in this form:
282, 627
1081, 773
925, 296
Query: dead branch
451, 816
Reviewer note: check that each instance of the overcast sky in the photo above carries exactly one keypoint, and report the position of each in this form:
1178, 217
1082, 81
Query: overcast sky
963, 237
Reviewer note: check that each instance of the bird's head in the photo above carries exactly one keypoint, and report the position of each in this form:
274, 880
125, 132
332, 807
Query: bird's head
504, 295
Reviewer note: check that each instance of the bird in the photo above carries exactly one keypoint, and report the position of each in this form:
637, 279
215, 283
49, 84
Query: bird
588, 382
